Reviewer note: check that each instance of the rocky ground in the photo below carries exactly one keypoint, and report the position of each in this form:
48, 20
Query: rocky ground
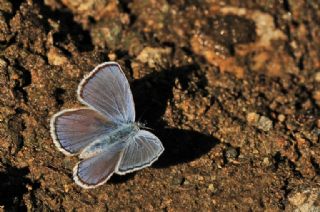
230, 87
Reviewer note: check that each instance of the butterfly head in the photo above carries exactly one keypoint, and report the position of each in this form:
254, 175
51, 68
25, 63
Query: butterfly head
143, 126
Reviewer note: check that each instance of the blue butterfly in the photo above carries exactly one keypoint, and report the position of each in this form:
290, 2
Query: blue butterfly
104, 134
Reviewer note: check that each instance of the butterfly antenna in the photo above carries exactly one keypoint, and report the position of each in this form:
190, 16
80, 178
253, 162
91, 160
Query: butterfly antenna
140, 117
147, 128
143, 125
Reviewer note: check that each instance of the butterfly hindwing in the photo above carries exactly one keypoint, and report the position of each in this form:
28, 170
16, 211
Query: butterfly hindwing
95, 171
141, 151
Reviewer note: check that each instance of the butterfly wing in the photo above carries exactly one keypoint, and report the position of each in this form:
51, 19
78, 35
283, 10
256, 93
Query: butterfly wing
106, 89
72, 130
143, 149
95, 171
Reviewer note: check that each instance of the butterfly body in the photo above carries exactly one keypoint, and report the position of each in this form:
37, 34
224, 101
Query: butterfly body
121, 133
104, 135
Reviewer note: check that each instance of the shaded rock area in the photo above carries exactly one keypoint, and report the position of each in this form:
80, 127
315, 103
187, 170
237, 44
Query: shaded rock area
232, 88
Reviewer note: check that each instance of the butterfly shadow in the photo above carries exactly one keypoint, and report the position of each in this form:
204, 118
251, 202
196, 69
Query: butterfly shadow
151, 95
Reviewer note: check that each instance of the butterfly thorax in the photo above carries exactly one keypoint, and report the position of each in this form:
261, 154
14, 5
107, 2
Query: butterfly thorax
120, 136
123, 132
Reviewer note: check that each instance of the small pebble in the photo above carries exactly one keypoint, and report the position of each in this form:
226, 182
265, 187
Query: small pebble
56, 57
3, 64
317, 77
261, 122
154, 56
316, 96
266, 161
177, 181
281, 117
211, 187
255, 151
112, 56
200, 178
297, 198
231, 153
185, 182
264, 124
253, 118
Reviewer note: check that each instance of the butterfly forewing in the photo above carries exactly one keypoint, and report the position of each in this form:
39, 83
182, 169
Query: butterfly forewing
106, 89
141, 151
72, 130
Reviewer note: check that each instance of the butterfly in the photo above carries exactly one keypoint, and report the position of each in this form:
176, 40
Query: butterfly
104, 134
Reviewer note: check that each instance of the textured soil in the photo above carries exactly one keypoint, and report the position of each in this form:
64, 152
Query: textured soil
232, 88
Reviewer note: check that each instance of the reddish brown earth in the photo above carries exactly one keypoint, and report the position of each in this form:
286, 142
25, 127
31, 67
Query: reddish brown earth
232, 88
